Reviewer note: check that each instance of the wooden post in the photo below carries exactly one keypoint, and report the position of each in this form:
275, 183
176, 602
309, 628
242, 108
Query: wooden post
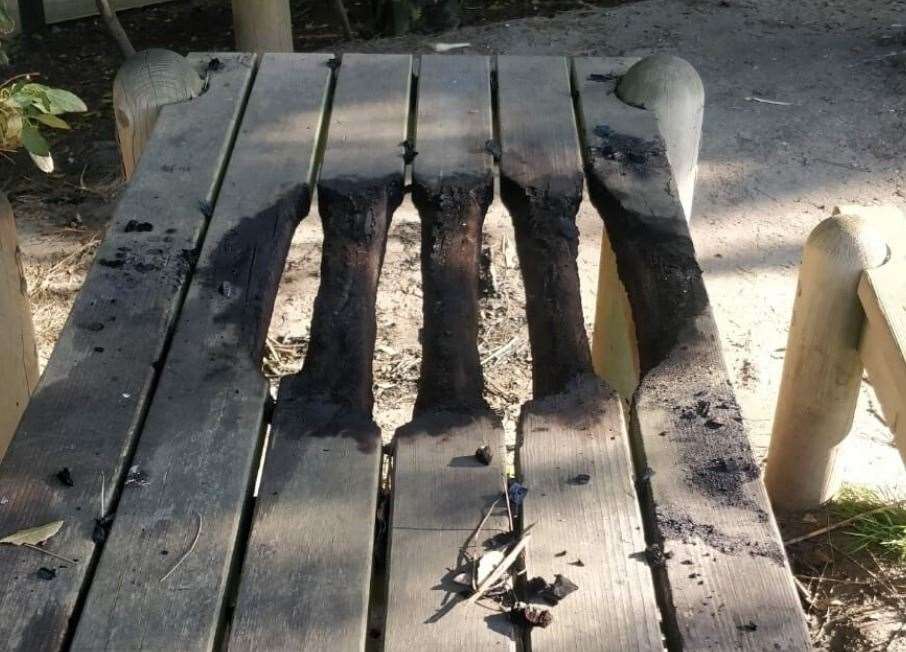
144, 83
822, 370
18, 358
671, 88
263, 26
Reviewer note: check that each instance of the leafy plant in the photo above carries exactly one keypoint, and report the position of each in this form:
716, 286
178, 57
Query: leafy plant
26, 106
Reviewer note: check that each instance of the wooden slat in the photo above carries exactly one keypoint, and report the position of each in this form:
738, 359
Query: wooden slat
724, 571
541, 186
307, 572
440, 492
882, 292
198, 452
91, 400
575, 425
439, 489
597, 525
452, 187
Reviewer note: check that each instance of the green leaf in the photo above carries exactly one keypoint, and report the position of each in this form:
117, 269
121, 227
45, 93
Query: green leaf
28, 94
33, 536
61, 101
34, 142
51, 120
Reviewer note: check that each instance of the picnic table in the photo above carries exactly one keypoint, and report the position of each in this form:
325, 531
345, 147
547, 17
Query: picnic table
148, 427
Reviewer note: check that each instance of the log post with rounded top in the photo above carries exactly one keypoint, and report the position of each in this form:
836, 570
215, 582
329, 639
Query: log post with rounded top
822, 370
147, 81
18, 359
670, 88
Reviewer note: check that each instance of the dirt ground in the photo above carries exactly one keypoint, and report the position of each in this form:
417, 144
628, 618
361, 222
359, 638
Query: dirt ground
769, 172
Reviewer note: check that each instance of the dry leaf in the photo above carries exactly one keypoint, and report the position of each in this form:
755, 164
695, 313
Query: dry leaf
33, 536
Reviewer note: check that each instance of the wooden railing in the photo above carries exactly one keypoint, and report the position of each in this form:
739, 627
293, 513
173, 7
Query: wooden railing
849, 316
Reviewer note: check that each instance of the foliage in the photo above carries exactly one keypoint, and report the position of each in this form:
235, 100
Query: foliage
879, 521
26, 107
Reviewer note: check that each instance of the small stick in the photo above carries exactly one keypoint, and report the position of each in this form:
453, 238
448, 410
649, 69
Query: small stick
765, 101
340, 10
52, 554
484, 520
188, 550
101, 509
839, 524
495, 574
509, 510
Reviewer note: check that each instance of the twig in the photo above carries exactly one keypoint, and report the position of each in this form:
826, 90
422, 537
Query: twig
803, 590
495, 574
52, 554
340, 10
188, 551
484, 520
509, 510
839, 524
101, 505
500, 351
762, 100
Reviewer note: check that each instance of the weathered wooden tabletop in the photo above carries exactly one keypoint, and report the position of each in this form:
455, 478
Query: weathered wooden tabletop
155, 402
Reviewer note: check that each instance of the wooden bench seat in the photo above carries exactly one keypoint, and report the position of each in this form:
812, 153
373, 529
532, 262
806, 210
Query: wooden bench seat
154, 399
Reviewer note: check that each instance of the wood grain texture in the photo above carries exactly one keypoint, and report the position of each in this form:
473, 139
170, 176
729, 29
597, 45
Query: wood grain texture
90, 402
541, 186
263, 26
452, 188
723, 574
439, 489
306, 578
440, 492
18, 356
882, 292
199, 447
144, 83
822, 369
591, 533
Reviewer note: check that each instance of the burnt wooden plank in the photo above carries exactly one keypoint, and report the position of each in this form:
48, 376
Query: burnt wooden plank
452, 188
575, 459
574, 427
165, 568
439, 489
307, 572
89, 405
723, 573
541, 186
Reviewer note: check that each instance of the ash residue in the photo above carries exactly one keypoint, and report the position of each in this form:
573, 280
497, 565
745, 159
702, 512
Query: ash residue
687, 530
624, 148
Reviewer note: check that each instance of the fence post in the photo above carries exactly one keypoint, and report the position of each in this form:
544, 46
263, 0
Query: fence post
147, 81
822, 369
18, 359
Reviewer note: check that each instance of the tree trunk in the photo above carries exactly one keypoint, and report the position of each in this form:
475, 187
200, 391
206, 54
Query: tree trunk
18, 358
263, 26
